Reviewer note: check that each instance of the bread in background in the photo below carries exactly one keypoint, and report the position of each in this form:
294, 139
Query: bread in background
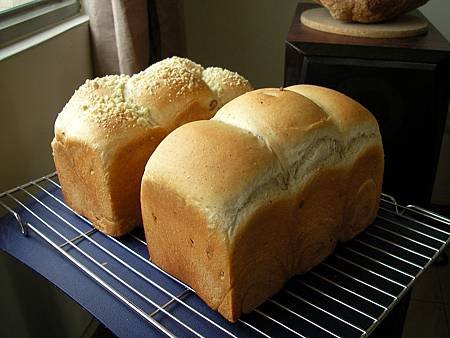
101, 144
237, 205
369, 11
226, 84
110, 127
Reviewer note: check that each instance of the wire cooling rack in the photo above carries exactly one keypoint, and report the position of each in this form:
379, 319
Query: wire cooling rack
347, 295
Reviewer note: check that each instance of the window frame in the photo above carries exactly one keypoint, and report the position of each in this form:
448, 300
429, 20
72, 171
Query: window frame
27, 19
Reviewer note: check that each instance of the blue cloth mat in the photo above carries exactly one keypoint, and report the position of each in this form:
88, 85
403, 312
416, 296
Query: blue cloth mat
40, 256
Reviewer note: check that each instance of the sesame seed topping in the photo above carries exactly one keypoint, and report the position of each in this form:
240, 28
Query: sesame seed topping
175, 72
225, 83
104, 103
217, 77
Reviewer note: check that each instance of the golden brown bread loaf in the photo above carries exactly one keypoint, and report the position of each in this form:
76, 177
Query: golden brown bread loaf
369, 11
109, 128
237, 205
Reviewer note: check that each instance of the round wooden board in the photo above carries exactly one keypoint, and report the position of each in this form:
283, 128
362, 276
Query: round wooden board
401, 27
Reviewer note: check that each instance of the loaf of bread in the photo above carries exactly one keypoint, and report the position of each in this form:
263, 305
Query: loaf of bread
236, 205
369, 11
108, 130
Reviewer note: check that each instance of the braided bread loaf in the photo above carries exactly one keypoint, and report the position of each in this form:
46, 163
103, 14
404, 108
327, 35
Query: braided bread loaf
111, 125
237, 205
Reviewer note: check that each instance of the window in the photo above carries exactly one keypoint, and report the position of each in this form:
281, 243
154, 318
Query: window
21, 18
8, 5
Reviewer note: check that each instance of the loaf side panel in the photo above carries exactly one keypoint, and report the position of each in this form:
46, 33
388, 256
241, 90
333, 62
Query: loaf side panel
83, 180
180, 242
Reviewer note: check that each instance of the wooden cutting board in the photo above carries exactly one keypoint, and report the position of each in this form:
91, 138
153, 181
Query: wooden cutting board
406, 25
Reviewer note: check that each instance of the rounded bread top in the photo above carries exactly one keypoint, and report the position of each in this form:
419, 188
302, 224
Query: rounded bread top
167, 94
348, 115
282, 118
226, 84
211, 164
168, 87
98, 109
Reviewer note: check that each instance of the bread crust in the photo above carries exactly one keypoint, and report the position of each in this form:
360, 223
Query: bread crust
211, 164
229, 186
288, 236
198, 255
107, 193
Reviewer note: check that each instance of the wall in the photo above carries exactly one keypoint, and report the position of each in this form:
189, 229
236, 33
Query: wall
438, 12
34, 86
245, 36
